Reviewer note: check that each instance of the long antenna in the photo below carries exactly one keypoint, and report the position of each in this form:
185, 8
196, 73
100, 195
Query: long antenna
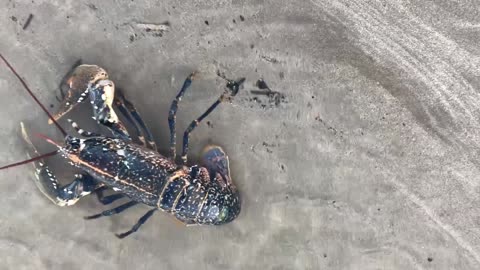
29, 160
43, 108
33, 96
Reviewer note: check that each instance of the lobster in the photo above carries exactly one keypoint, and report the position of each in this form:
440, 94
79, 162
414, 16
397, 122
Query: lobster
194, 195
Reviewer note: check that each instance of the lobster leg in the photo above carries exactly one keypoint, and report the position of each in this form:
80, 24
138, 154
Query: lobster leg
124, 111
139, 223
106, 200
132, 115
114, 211
173, 113
232, 90
48, 184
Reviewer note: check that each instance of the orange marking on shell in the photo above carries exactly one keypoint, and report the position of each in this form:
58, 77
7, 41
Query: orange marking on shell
176, 175
201, 206
76, 159
178, 196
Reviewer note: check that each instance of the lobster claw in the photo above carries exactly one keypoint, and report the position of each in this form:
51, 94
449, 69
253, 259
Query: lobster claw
45, 181
101, 97
78, 83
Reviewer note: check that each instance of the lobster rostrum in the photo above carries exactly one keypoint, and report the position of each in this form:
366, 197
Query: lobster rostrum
194, 195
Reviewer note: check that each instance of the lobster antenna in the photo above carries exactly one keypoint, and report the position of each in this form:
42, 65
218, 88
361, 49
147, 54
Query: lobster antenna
50, 141
43, 108
33, 96
29, 160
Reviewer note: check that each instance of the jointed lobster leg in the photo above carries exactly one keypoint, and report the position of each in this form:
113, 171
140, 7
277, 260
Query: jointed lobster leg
232, 89
120, 105
106, 200
132, 115
139, 223
173, 113
113, 211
